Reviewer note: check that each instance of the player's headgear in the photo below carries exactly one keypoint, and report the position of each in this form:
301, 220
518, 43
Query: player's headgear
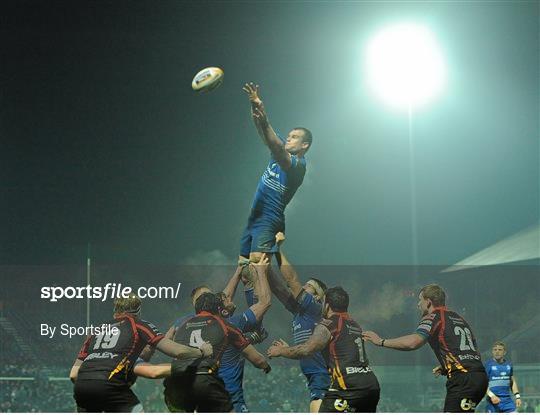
208, 302
318, 286
435, 293
337, 298
196, 290
131, 305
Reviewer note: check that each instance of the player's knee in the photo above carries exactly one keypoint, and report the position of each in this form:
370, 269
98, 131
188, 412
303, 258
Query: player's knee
255, 257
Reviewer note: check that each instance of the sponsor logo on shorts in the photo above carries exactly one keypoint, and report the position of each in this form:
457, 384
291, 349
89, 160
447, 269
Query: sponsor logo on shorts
352, 370
341, 405
467, 404
468, 357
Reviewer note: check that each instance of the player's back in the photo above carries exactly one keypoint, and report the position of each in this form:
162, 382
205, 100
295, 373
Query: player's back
207, 327
453, 341
111, 356
346, 356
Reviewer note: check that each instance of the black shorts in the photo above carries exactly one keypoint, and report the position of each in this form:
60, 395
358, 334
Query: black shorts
201, 393
464, 391
351, 401
104, 396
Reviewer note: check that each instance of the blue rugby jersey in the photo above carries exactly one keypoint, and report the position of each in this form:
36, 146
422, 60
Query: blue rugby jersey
231, 369
500, 377
307, 315
277, 187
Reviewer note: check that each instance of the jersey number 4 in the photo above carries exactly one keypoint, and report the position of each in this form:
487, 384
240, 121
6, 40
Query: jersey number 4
466, 341
195, 339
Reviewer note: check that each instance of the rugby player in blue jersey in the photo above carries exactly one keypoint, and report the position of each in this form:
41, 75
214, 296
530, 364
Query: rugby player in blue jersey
305, 303
232, 362
231, 369
278, 184
502, 383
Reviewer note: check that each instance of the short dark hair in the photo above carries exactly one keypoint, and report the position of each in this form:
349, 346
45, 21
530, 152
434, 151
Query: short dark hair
208, 302
337, 298
308, 137
435, 293
196, 289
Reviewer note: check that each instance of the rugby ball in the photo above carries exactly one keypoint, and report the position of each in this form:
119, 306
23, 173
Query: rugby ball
207, 79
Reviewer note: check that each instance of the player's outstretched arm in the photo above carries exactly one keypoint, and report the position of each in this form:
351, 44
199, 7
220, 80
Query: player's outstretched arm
257, 359
152, 371
252, 92
265, 130
316, 342
404, 343
173, 349
287, 270
230, 288
147, 353
282, 293
261, 287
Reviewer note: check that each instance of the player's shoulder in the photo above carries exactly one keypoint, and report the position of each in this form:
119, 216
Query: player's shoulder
327, 322
145, 324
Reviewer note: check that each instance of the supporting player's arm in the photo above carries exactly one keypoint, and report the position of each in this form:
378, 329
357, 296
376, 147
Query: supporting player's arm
283, 294
74, 372
153, 371
316, 342
515, 391
261, 288
230, 288
174, 349
404, 343
287, 270
265, 130
147, 353
257, 359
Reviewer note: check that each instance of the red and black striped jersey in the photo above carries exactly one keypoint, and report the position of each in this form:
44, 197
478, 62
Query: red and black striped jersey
345, 355
111, 356
207, 327
452, 341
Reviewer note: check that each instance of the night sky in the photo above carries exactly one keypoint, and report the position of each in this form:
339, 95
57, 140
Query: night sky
104, 142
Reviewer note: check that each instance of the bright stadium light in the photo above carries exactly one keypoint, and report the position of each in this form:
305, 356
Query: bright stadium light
404, 66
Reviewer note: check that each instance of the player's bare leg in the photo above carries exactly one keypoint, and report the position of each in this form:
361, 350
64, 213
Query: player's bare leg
315, 405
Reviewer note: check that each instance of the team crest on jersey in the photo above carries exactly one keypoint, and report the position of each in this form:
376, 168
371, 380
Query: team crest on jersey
467, 404
341, 405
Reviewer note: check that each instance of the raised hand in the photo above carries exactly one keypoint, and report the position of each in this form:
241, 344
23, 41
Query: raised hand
252, 91
372, 337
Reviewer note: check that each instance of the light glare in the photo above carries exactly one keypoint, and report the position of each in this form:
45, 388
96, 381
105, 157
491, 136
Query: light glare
405, 66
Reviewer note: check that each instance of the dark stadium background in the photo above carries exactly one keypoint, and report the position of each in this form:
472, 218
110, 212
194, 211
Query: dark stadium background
104, 145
